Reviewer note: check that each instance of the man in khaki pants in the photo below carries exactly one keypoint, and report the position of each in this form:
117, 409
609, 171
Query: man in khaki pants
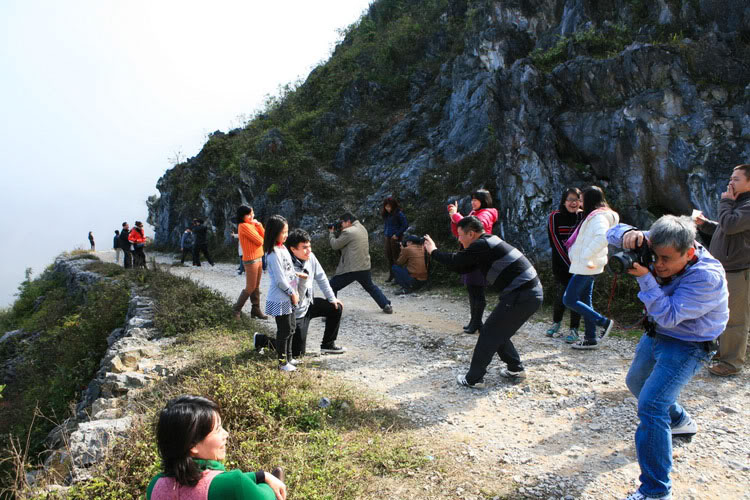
730, 244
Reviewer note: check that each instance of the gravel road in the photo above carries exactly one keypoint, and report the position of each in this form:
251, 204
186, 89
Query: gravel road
566, 432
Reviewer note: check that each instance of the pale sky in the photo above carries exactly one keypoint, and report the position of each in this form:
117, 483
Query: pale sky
97, 96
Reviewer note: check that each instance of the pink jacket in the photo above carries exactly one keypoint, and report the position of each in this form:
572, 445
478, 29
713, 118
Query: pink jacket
488, 216
166, 488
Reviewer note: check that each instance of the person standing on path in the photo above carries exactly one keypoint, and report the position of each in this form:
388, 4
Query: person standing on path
127, 259
186, 244
686, 299
481, 208
138, 239
395, 224
560, 225
116, 246
730, 244
354, 264
91, 241
200, 231
510, 273
251, 235
587, 248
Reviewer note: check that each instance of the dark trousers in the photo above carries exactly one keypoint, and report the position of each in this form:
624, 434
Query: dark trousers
197, 249
186, 251
127, 258
284, 328
503, 322
139, 257
364, 278
320, 308
559, 308
392, 251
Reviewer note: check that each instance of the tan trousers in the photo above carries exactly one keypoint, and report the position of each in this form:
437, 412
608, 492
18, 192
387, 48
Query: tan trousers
733, 342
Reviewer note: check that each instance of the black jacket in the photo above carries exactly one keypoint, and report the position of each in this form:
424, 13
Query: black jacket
199, 230
124, 243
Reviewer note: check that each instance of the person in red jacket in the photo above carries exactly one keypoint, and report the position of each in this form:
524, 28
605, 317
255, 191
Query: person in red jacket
481, 205
138, 239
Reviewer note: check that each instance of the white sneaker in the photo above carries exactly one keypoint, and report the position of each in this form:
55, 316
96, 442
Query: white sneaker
640, 496
689, 428
504, 372
461, 380
295, 361
287, 367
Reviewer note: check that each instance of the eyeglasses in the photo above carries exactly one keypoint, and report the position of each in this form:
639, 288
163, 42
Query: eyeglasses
572, 200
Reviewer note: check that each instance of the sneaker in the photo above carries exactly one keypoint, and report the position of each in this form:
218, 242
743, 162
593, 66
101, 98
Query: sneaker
722, 369
255, 340
519, 375
403, 291
689, 428
572, 336
332, 349
553, 330
640, 496
288, 367
607, 328
461, 379
295, 361
586, 345
388, 309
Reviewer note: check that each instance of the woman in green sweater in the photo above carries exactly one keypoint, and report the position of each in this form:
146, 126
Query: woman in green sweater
192, 445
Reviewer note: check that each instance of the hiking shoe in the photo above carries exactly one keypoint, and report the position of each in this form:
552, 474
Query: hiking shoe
586, 344
640, 496
572, 336
288, 367
332, 349
388, 309
553, 330
722, 369
504, 372
607, 328
461, 379
689, 428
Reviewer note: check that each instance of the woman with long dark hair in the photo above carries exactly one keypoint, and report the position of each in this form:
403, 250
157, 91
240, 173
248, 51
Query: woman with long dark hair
395, 224
560, 225
192, 444
481, 208
251, 235
587, 248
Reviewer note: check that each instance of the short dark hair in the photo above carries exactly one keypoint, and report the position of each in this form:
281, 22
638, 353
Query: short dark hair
296, 237
348, 217
471, 223
745, 167
117, 232
273, 229
183, 423
570, 190
242, 211
484, 198
124, 224
593, 198
197, 221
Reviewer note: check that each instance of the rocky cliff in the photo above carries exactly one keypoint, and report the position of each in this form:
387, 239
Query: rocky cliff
430, 99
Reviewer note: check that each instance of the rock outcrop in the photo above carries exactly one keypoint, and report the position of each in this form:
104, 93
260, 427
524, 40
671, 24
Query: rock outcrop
650, 100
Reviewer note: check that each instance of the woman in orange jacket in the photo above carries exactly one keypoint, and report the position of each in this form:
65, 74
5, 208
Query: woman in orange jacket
138, 239
251, 234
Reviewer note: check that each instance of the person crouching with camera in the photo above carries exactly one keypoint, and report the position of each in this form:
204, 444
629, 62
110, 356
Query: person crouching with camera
507, 271
685, 295
410, 269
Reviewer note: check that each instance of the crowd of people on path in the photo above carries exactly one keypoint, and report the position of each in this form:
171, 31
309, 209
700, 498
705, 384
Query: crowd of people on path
130, 243
693, 296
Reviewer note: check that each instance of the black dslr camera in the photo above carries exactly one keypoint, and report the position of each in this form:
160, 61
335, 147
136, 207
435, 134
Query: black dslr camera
419, 240
336, 226
624, 259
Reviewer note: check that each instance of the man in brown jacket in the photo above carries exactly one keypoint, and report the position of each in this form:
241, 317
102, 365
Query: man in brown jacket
355, 260
410, 270
730, 244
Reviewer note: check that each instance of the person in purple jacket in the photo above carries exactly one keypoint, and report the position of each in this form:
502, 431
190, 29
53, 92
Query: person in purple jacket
685, 295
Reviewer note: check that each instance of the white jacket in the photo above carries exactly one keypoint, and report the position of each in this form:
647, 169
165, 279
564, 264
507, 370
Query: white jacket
588, 255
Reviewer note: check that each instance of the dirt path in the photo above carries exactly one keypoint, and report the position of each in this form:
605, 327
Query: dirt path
566, 432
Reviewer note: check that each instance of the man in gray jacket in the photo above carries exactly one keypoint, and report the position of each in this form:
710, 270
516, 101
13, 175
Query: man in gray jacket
355, 260
730, 244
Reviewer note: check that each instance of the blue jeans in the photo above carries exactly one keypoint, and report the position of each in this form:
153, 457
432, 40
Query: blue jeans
577, 298
662, 366
402, 277
364, 278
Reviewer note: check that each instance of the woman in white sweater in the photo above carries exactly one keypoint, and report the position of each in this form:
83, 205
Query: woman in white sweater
588, 256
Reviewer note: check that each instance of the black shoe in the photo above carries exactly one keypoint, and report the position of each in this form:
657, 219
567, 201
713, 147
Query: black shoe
388, 309
461, 380
332, 349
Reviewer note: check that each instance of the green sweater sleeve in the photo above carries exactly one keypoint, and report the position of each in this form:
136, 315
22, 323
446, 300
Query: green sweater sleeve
238, 485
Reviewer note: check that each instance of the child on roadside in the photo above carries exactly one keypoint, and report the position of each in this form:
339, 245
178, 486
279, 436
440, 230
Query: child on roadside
282, 291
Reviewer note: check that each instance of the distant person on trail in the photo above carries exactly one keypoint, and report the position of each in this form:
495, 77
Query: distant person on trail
510, 273
481, 208
192, 445
395, 224
201, 242
354, 264
186, 244
116, 246
138, 239
127, 260
91, 241
251, 235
